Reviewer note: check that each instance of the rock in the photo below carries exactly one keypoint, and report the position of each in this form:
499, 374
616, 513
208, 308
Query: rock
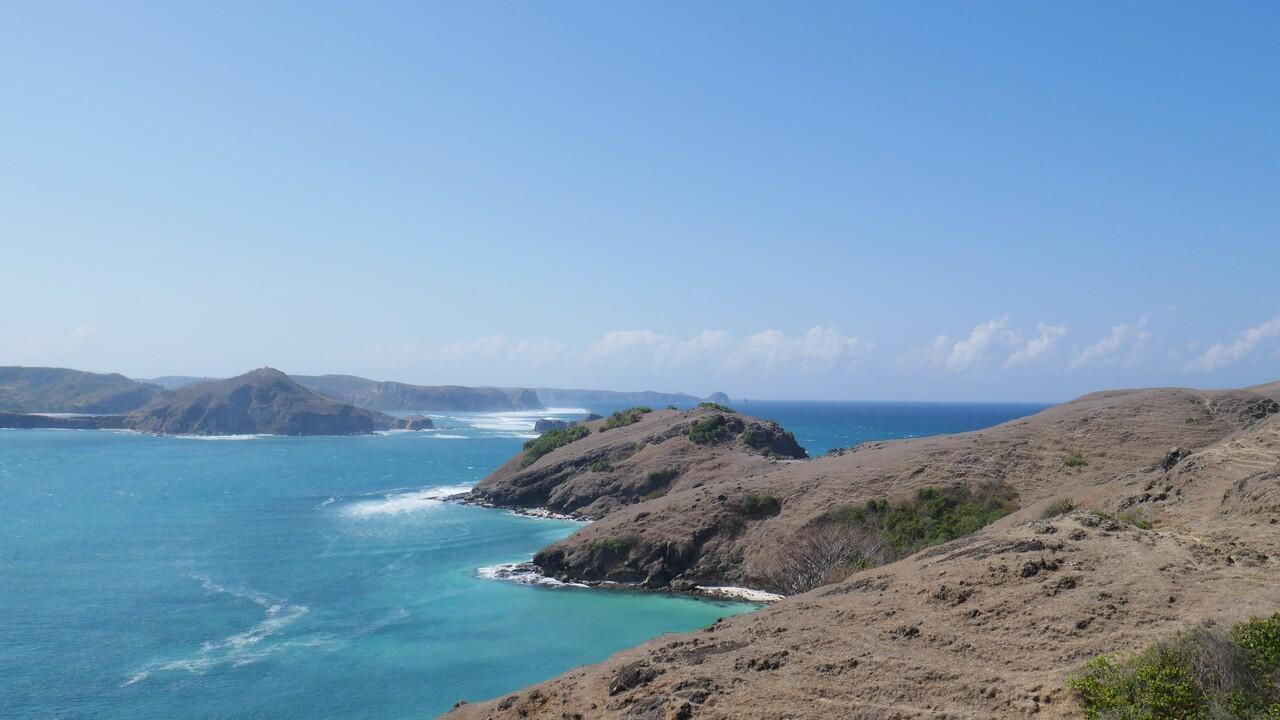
545, 424
418, 422
632, 676
1174, 457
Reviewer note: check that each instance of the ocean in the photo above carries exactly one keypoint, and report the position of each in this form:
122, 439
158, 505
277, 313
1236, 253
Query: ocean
320, 577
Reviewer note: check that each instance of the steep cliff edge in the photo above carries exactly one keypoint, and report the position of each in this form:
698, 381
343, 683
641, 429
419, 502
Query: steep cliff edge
1140, 511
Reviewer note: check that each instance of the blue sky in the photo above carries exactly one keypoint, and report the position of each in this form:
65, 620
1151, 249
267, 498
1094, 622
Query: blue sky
850, 200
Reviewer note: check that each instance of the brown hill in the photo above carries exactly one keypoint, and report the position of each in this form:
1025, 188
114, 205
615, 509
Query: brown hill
981, 627
265, 401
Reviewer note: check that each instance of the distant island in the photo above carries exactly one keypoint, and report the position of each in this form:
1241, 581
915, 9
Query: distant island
266, 401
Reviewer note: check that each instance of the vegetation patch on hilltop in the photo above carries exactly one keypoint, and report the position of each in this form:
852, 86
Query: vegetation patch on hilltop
850, 538
550, 440
623, 418
716, 406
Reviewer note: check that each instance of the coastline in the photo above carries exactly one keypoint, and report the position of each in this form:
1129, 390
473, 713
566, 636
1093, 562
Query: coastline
526, 573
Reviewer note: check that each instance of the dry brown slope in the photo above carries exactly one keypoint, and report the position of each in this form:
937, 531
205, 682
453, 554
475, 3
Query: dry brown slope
989, 625
697, 533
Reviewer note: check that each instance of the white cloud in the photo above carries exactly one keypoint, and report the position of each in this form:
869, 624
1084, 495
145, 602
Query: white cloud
640, 354
1037, 348
973, 349
1125, 342
1245, 343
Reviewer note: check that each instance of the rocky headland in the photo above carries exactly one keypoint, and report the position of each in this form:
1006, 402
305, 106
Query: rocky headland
264, 401
1094, 527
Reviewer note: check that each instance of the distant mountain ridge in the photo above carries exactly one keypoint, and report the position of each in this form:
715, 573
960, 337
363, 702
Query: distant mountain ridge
389, 395
61, 390
558, 397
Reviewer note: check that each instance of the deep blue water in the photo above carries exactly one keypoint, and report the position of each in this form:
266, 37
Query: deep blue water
148, 577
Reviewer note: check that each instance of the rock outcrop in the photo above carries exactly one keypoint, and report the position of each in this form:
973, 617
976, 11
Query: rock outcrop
264, 401
1140, 512
418, 422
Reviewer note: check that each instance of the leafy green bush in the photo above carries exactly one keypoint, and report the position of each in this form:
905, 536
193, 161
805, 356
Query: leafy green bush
1202, 674
1136, 518
716, 406
933, 516
622, 418
601, 466
850, 538
709, 430
611, 546
550, 440
1061, 506
758, 506
661, 477
1075, 459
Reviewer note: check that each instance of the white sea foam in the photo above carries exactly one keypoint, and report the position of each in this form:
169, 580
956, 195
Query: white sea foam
445, 436
515, 421
524, 573
399, 503
222, 437
240, 648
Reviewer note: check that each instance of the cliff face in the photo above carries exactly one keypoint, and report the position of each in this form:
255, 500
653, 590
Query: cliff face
375, 395
988, 625
59, 390
263, 401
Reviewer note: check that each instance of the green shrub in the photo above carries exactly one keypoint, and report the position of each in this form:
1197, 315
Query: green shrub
622, 418
1201, 674
601, 466
1061, 506
1136, 518
1074, 460
661, 477
672, 407
709, 430
933, 516
758, 506
550, 440
716, 406
611, 546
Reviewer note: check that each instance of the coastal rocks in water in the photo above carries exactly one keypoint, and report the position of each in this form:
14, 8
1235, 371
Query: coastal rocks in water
418, 422
547, 424
264, 401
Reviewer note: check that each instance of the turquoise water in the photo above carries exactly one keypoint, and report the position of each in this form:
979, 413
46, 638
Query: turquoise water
147, 577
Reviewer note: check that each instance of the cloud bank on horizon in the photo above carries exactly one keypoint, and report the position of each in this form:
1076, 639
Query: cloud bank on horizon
825, 358
996, 359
